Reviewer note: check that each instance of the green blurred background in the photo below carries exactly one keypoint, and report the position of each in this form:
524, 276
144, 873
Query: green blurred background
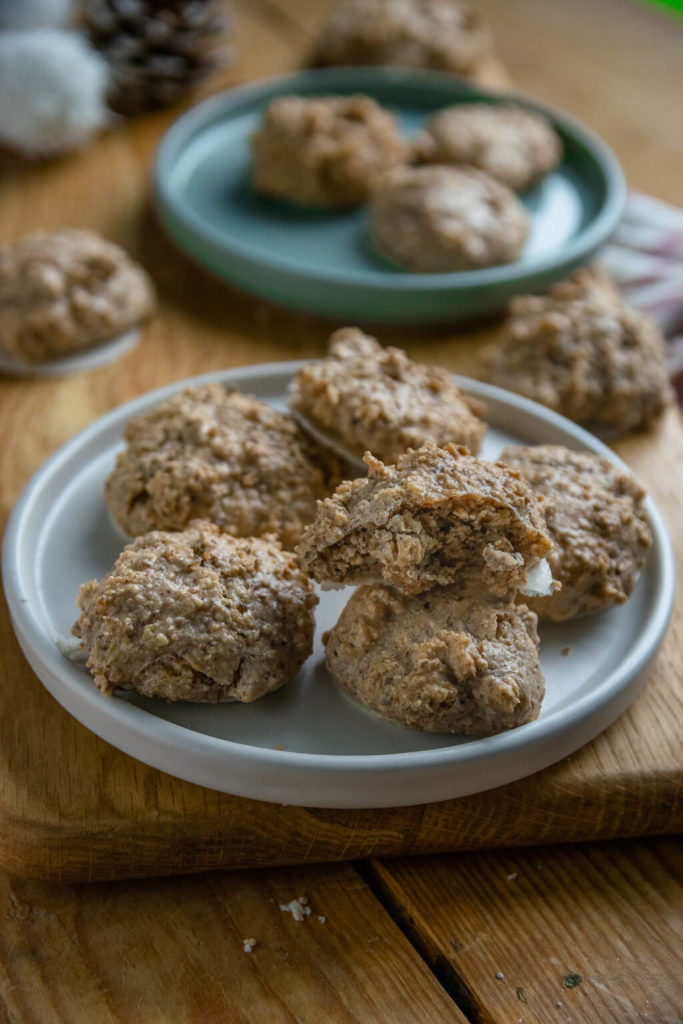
677, 5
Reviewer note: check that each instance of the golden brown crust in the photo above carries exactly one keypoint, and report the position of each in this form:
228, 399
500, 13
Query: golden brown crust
66, 291
439, 516
597, 523
214, 453
514, 145
436, 219
437, 663
581, 351
370, 398
325, 150
199, 616
445, 35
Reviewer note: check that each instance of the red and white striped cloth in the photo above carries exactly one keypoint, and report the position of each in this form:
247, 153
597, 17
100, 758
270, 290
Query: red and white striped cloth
645, 258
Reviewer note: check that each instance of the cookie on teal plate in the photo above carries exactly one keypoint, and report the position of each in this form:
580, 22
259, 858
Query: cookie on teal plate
320, 261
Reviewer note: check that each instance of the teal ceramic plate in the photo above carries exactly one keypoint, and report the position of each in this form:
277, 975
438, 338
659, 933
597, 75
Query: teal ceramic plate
321, 262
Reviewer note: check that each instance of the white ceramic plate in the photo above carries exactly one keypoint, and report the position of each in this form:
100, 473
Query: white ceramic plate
78, 362
308, 744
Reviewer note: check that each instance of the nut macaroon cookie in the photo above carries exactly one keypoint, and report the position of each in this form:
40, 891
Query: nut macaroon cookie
436, 219
597, 523
325, 151
197, 615
64, 292
436, 662
438, 517
213, 453
363, 397
444, 35
583, 352
514, 145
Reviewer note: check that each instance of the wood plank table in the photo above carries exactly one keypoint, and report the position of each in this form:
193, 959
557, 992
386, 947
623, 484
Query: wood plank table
580, 933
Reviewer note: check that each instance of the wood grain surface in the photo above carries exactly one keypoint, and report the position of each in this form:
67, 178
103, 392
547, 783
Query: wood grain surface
421, 940
586, 933
74, 808
97, 954
416, 941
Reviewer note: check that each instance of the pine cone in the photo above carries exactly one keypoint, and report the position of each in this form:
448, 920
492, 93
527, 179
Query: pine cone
156, 49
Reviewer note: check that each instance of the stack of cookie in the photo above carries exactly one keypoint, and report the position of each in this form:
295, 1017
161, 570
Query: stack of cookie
439, 545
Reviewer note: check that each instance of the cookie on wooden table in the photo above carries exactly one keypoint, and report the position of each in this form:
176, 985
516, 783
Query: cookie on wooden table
64, 292
364, 397
197, 615
581, 351
439, 516
212, 453
437, 219
514, 145
597, 524
438, 663
444, 35
324, 150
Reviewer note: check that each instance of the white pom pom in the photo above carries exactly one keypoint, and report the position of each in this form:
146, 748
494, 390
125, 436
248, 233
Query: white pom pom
52, 91
35, 13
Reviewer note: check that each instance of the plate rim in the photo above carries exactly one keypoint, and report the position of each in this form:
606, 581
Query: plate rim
197, 118
32, 634
94, 357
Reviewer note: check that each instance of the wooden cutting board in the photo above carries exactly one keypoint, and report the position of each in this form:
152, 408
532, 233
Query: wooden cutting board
73, 808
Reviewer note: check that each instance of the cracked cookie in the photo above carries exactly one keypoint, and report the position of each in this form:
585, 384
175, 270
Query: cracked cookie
438, 663
438, 516
597, 524
436, 219
67, 291
325, 150
364, 397
199, 616
213, 453
513, 145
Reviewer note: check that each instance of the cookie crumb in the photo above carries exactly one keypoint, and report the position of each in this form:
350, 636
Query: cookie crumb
565, 651
248, 944
298, 908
